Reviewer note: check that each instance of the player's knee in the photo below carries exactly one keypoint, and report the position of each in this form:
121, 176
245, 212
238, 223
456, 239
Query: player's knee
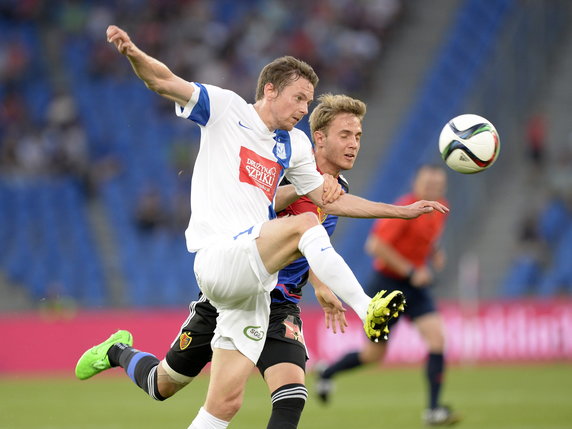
435, 339
305, 221
168, 388
227, 407
225, 403
372, 353
436, 342
170, 383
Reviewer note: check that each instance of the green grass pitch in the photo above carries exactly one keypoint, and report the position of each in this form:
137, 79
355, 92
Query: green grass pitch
503, 397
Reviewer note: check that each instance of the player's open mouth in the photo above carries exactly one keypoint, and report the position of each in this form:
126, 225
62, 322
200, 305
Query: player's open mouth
350, 156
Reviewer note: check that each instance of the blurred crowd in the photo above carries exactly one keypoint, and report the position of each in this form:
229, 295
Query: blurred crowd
223, 42
227, 42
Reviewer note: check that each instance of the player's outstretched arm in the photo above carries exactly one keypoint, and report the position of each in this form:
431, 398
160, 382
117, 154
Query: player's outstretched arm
286, 194
156, 75
352, 206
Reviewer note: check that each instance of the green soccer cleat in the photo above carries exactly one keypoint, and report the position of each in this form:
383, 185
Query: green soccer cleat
95, 360
382, 309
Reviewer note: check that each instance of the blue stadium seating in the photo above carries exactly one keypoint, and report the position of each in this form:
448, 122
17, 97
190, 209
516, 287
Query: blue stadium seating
47, 245
522, 277
156, 266
456, 69
558, 278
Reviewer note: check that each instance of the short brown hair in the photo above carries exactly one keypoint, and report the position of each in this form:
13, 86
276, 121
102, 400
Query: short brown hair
330, 105
283, 71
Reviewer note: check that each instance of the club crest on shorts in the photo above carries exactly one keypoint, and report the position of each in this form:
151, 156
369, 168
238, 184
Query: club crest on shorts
184, 340
253, 333
293, 331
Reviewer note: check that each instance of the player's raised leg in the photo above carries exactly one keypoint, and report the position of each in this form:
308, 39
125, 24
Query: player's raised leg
187, 356
281, 241
95, 359
117, 350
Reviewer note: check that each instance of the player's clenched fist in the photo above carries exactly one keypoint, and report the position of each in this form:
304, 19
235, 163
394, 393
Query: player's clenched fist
120, 39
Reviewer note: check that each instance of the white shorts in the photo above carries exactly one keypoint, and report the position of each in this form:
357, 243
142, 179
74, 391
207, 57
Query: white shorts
232, 276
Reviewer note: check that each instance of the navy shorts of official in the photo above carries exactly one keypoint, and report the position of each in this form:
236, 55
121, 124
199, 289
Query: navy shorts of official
419, 299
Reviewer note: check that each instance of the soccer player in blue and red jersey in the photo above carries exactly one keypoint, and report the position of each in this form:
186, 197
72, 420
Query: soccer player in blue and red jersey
336, 130
405, 257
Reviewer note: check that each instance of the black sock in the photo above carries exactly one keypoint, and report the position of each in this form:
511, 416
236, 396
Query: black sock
434, 371
141, 367
287, 404
349, 361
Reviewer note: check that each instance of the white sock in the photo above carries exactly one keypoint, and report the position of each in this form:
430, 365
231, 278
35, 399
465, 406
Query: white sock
205, 420
331, 269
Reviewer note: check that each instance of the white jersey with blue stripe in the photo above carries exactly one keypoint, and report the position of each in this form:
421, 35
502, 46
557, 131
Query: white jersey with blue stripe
239, 166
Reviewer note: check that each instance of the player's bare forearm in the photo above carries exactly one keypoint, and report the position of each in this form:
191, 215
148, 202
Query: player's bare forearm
156, 75
285, 195
353, 206
159, 78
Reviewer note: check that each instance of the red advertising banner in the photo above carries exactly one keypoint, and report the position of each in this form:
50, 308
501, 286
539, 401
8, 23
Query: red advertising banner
487, 332
508, 331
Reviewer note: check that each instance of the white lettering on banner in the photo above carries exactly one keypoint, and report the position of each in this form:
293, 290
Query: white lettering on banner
259, 171
494, 337
566, 326
508, 331
265, 176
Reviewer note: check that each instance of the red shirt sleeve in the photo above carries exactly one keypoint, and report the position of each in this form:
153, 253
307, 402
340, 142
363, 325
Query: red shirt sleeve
389, 230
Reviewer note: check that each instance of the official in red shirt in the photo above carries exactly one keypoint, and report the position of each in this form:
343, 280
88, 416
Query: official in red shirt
406, 254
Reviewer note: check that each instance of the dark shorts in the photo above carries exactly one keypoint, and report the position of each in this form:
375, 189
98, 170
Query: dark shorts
191, 351
419, 300
285, 340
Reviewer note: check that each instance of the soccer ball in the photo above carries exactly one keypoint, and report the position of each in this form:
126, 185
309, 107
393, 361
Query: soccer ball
469, 144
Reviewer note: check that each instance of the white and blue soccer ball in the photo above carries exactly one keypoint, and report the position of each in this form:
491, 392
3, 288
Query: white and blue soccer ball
469, 144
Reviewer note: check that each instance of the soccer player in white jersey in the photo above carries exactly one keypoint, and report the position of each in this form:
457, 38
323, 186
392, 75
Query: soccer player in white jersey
245, 150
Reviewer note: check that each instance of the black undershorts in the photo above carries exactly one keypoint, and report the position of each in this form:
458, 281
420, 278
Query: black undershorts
191, 351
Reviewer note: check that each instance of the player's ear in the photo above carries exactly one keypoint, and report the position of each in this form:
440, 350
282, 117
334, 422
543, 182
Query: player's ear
319, 138
269, 91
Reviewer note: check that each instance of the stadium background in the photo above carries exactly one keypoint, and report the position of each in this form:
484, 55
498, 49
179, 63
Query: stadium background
95, 173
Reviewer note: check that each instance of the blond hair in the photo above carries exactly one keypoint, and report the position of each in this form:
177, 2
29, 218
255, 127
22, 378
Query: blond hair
283, 71
329, 106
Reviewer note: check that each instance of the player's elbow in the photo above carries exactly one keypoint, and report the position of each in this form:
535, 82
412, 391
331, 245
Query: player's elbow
370, 246
157, 86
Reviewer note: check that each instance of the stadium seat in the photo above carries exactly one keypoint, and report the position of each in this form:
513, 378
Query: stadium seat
522, 276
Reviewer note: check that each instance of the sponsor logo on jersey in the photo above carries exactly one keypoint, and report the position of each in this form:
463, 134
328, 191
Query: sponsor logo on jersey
184, 340
253, 333
259, 171
243, 126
